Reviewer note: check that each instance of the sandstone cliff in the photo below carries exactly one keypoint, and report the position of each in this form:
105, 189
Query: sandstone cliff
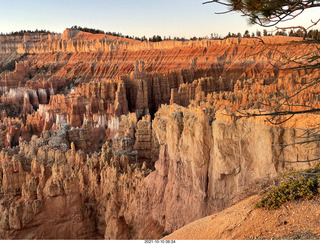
90, 150
116, 194
151, 72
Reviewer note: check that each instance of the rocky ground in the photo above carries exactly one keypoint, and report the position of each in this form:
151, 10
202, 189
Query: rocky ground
297, 220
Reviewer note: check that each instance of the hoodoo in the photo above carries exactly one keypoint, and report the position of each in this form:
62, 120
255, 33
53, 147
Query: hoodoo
109, 137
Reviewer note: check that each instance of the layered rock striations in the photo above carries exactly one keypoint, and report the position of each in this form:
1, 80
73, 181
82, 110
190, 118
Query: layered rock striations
206, 162
106, 137
58, 64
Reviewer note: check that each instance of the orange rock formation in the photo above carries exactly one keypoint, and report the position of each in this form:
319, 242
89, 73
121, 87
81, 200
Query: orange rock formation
106, 137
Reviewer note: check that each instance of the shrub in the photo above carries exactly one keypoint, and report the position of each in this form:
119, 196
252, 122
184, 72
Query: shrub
293, 186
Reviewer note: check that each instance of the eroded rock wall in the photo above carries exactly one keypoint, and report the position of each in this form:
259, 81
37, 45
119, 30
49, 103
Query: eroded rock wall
89, 151
206, 162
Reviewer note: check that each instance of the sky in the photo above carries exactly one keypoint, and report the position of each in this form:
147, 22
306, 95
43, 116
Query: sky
182, 18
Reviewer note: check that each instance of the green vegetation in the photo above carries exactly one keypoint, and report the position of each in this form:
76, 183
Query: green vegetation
86, 29
313, 34
23, 32
11, 64
155, 38
293, 186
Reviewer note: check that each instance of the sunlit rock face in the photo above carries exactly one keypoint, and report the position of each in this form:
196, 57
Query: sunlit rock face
148, 177
107, 137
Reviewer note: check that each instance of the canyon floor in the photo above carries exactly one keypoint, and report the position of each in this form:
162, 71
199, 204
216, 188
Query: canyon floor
104, 137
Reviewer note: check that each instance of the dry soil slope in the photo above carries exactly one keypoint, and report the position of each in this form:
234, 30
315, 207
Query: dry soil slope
294, 220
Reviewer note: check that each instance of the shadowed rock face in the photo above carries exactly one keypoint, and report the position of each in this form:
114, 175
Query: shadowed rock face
89, 151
